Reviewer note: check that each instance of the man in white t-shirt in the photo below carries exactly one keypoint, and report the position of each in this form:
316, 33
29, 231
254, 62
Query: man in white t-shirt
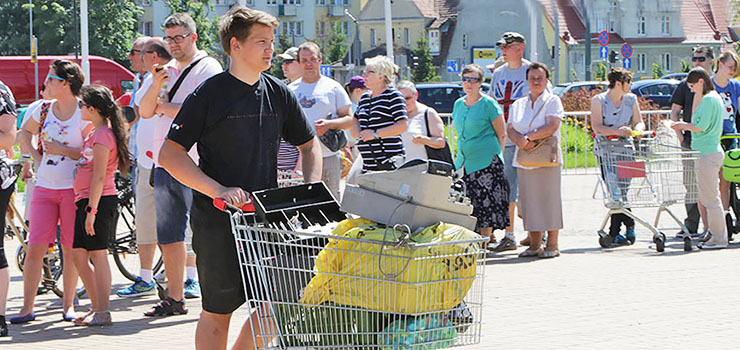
509, 83
327, 106
154, 52
173, 199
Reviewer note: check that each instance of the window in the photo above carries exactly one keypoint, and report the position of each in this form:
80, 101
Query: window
146, 28
641, 62
465, 40
665, 25
612, 27
601, 24
320, 28
290, 2
641, 26
406, 39
321, 2
299, 28
146, 2
345, 28
292, 28
666, 62
271, 2
372, 37
339, 2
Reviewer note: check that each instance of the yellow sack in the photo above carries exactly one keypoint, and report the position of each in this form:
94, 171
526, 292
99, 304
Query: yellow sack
428, 279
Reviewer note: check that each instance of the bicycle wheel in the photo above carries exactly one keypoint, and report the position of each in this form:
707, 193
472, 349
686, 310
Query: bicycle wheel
123, 246
52, 277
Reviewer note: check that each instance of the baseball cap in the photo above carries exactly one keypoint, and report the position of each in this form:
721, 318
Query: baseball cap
510, 37
289, 54
357, 82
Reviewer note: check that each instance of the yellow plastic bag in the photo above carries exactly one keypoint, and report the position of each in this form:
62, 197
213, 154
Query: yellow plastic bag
386, 278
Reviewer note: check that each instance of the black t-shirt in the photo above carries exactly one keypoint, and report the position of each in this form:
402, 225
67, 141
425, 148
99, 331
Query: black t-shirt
238, 127
683, 97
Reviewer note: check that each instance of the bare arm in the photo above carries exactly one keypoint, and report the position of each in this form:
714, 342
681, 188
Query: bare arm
637, 122
7, 131
597, 122
311, 160
168, 109
436, 130
100, 163
175, 159
30, 128
150, 100
500, 127
552, 123
675, 115
344, 120
396, 129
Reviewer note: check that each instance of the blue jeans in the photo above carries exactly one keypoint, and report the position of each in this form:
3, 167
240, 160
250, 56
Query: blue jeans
172, 202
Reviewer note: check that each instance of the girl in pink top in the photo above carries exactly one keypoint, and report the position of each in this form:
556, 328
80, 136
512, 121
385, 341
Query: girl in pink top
95, 197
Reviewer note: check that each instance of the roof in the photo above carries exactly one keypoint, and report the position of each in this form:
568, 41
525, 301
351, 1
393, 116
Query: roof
568, 19
446, 10
426, 7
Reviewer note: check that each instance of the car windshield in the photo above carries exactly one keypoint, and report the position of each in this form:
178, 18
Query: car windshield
441, 98
559, 89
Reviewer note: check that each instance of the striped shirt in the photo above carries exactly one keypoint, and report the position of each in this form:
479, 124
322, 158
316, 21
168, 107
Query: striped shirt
375, 113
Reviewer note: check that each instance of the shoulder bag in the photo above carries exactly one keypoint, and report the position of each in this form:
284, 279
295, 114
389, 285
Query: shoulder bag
441, 154
44, 112
545, 152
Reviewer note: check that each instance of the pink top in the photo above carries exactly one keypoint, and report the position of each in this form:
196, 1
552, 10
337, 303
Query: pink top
84, 169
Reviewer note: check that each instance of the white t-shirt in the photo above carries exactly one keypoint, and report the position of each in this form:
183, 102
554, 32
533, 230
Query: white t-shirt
320, 99
205, 69
522, 112
416, 127
145, 129
509, 85
56, 172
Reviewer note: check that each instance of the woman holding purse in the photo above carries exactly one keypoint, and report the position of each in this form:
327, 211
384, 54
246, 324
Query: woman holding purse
534, 126
426, 129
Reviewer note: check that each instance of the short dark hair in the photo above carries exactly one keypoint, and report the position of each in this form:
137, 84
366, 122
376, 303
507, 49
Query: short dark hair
180, 19
309, 45
71, 73
700, 73
238, 22
618, 75
706, 50
473, 68
157, 45
537, 65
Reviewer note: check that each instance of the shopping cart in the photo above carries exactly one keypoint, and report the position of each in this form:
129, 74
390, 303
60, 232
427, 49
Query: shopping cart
312, 289
646, 172
289, 178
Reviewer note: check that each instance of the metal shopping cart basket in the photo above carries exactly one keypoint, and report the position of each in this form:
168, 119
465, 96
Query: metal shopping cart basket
312, 289
647, 172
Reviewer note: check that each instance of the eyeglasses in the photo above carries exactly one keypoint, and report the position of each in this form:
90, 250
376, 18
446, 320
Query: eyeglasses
133, 51
176, 39
368, 71
698, 59
470, 80
408, 97
81, 104
55, 77
288, 61
150, 51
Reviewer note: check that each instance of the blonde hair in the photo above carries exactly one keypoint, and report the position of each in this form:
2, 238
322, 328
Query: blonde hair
724, 57
383, 67
238, 22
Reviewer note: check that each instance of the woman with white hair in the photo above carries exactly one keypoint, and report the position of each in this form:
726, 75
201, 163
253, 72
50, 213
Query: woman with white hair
381, 116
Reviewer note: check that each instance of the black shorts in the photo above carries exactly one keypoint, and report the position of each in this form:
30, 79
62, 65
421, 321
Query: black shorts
4, 200
105, 224
221, 286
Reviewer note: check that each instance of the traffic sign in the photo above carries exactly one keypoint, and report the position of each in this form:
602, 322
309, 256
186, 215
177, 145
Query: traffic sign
627, 63
325, 70
627, 50
604, 38
604, 52
452, 66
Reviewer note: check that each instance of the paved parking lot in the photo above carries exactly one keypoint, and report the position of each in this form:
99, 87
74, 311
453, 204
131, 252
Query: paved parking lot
589, 298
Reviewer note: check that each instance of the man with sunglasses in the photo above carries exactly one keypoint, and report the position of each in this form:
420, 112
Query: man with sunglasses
683, 100
172, 199
292, 70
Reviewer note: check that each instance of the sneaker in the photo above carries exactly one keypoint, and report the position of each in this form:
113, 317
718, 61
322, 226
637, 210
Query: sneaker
139, 288
630, 235
620, 240
192, 289
505, 244
711, 244
167, 307
705, 236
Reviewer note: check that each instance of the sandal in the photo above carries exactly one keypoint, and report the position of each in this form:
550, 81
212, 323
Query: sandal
546, 254
99, 319
528, 253
80, 320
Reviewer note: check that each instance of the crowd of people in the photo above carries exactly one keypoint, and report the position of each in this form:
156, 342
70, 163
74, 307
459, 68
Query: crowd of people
202, 133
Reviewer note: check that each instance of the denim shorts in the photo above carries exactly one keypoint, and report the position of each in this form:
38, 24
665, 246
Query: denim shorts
172, 201
510, 173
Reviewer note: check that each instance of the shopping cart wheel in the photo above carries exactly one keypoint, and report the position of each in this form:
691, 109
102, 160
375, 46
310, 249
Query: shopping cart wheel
687, 244
605, 241
659, 241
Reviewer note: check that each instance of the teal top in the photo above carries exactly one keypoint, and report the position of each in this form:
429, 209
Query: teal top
708, 117
477, 141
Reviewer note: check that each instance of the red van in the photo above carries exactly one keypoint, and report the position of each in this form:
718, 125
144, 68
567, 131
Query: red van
18, 73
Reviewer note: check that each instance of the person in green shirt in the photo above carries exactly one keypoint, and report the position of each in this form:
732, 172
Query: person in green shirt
480, 126
706, 129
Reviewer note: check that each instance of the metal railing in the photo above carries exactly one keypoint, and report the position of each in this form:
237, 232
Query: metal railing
576, 140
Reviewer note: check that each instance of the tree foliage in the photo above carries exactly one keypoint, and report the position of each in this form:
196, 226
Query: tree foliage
276, 68
685, 67
336, 47
112, 26
657, 71
423, 69
601, 71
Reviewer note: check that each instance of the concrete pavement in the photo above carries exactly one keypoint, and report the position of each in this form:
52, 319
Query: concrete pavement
589, 298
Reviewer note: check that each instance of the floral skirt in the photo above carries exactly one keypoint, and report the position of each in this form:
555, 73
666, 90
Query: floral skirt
488, 191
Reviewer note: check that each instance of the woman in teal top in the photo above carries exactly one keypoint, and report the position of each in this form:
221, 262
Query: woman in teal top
706, 130
480, 127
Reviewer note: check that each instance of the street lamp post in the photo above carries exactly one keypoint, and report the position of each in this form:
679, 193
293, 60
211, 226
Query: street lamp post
357, 45
34, 49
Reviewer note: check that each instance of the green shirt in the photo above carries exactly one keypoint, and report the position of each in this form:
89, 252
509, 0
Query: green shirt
477, 141
708, 117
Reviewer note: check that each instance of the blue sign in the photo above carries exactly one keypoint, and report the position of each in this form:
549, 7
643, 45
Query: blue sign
604, 38
325, 69
604, 53
627, 50
627, 63
452, 66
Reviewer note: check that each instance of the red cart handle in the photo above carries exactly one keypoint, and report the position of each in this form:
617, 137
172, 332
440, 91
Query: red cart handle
223, 205
649, 133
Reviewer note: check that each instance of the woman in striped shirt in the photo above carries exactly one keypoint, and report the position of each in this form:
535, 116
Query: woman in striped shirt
380, 117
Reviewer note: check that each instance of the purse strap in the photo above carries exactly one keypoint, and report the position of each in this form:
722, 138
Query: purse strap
173, 90
44, 112
536, 114
426, 122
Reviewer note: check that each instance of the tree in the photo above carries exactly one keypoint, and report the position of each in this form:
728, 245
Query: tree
336, 48
601, 71
423, 69
657, 71
112, 27
685, 68
206, 24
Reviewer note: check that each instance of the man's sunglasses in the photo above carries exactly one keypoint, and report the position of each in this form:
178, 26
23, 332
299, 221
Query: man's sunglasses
470, 80
698, 59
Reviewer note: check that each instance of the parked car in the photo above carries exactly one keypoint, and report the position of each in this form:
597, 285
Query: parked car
440, 96
675, 76
657, 90
562, 89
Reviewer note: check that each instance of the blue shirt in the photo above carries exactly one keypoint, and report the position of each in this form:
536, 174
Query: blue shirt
729, 95
477, 142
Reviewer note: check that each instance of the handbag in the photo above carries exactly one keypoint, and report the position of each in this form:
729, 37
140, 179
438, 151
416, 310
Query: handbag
441, 154
334, 139
544, 154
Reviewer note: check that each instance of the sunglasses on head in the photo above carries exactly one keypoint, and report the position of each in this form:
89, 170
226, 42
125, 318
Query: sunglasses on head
698, 59
471, 80
55, 77
81, 104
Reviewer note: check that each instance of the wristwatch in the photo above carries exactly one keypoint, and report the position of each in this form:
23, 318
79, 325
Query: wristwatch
91, 210
375, 134
527, 138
